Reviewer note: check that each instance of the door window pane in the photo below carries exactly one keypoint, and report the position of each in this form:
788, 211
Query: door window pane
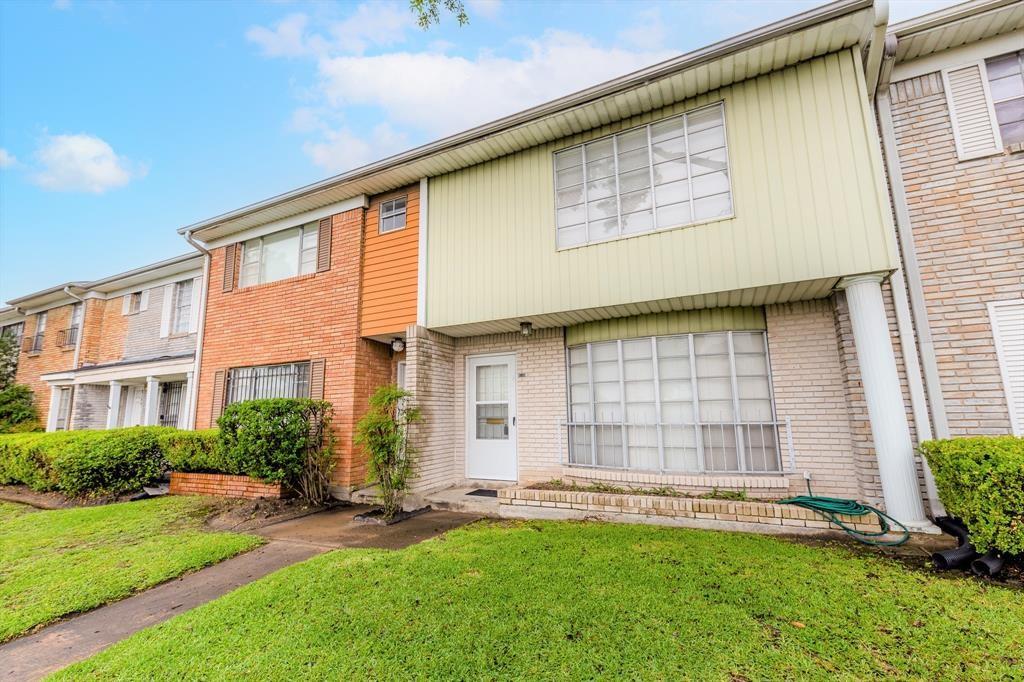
492, 422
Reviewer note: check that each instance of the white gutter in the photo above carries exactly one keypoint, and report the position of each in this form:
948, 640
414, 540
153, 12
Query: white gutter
914, 313
81, 329
193, 392
876, 46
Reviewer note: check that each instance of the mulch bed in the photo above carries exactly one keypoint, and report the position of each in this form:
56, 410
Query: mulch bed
22, 494
242, 515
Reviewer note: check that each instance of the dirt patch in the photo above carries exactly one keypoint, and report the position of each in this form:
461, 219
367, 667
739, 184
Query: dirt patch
916, 554
239, 515
22, 494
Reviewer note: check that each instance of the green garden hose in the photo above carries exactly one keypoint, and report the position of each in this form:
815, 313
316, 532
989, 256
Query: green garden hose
834, 507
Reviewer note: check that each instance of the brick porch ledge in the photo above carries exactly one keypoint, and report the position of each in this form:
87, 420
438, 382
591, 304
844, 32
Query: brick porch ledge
224, 485
778, 483
526, 503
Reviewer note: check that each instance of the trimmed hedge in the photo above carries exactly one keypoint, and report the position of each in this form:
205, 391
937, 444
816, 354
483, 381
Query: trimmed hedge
271, 439
197, 451
84, 463
981, 482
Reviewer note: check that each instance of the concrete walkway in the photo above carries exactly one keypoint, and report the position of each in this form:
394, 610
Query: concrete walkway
34, 656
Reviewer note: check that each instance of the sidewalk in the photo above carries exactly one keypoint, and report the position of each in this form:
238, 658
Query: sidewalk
34, 656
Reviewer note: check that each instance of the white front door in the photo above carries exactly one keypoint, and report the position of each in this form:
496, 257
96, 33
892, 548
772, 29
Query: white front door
491, 418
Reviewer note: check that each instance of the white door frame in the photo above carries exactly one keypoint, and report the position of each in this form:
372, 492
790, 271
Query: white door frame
470, 416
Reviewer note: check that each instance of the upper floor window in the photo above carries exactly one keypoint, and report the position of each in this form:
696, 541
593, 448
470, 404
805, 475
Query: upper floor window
268, 381
181, 316
1006, 83
34, 343
280, 255
14, 331
655, 177
67, 338
392, 214
134, 302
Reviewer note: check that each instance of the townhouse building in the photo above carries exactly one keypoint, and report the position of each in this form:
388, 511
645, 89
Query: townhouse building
118, 351
951, 118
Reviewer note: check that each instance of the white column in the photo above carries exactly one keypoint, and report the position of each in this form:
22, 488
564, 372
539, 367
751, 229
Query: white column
114, 409
889, 428
151, 415
51, 417
185, 408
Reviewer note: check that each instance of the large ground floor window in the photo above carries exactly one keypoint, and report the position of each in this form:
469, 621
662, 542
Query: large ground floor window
268, 381
682, 403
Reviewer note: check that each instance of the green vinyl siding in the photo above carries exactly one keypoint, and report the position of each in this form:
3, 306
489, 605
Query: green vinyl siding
661, 324
808, 195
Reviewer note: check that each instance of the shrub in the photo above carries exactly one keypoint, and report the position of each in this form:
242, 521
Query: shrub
981, 481
383, 433
273, 439
198, 451
17, 411
84, 463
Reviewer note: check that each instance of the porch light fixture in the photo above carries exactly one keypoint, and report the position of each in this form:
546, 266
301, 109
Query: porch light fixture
398, 344
526, 328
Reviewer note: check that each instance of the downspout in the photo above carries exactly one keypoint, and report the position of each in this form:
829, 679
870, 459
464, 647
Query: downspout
81, 331
193, 393
876, 46
909, 316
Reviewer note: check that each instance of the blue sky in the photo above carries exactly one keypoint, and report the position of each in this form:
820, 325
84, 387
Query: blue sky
123, 121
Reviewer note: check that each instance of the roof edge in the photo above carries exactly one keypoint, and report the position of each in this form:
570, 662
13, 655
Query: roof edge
946, 15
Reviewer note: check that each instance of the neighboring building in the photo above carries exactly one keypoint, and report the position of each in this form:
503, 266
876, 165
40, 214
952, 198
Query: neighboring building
306, 300
115, 352
952, 122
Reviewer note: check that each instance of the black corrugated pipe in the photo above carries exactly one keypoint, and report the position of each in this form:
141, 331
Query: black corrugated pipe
964, 551
988, 565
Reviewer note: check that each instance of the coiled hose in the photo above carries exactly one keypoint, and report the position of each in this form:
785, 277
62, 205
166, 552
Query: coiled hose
834, 507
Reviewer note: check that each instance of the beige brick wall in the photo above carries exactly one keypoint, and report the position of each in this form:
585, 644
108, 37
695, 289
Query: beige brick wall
968, 226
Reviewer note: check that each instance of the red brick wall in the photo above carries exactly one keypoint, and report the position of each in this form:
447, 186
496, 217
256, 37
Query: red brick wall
968, 225
224, 486
302, 318
52, 358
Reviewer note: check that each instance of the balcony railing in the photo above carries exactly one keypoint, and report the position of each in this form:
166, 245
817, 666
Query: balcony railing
33, 343
695, 448
67, 338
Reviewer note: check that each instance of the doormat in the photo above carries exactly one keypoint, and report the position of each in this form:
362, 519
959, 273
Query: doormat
483, 492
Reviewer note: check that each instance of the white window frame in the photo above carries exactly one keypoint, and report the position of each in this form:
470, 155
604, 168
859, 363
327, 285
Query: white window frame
256, 244
994, 101
134, 302
181, 314
388, 210
737, 425
654, 210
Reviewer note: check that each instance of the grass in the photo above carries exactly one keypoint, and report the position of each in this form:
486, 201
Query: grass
56, 563
544, 600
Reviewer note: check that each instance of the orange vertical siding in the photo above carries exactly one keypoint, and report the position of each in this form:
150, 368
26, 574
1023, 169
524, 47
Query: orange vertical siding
389, 268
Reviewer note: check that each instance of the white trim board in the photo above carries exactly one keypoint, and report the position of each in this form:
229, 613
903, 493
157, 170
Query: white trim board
360, 201
958, 56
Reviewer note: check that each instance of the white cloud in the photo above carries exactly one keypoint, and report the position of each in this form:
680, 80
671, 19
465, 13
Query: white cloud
449, 93
647, 33
377, 24
62, 4
286, 39
82, 163
341, 149
6, 159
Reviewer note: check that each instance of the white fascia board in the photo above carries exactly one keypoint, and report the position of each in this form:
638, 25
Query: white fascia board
360, 201
958, 56
141, 370
58, 378
170, 279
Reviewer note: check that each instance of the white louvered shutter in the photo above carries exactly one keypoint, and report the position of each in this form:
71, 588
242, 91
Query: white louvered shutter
167, 311
1008, 328
970, 108
197, 293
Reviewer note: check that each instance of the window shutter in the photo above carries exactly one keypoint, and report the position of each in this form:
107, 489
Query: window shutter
230, 260
316, 378
1008, 329
144, 300
323, 246
166, 311
126, 302
217, 407
197, 300
975, 129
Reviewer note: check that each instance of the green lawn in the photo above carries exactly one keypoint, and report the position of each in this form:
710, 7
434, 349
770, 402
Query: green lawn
583, 601
55, 563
